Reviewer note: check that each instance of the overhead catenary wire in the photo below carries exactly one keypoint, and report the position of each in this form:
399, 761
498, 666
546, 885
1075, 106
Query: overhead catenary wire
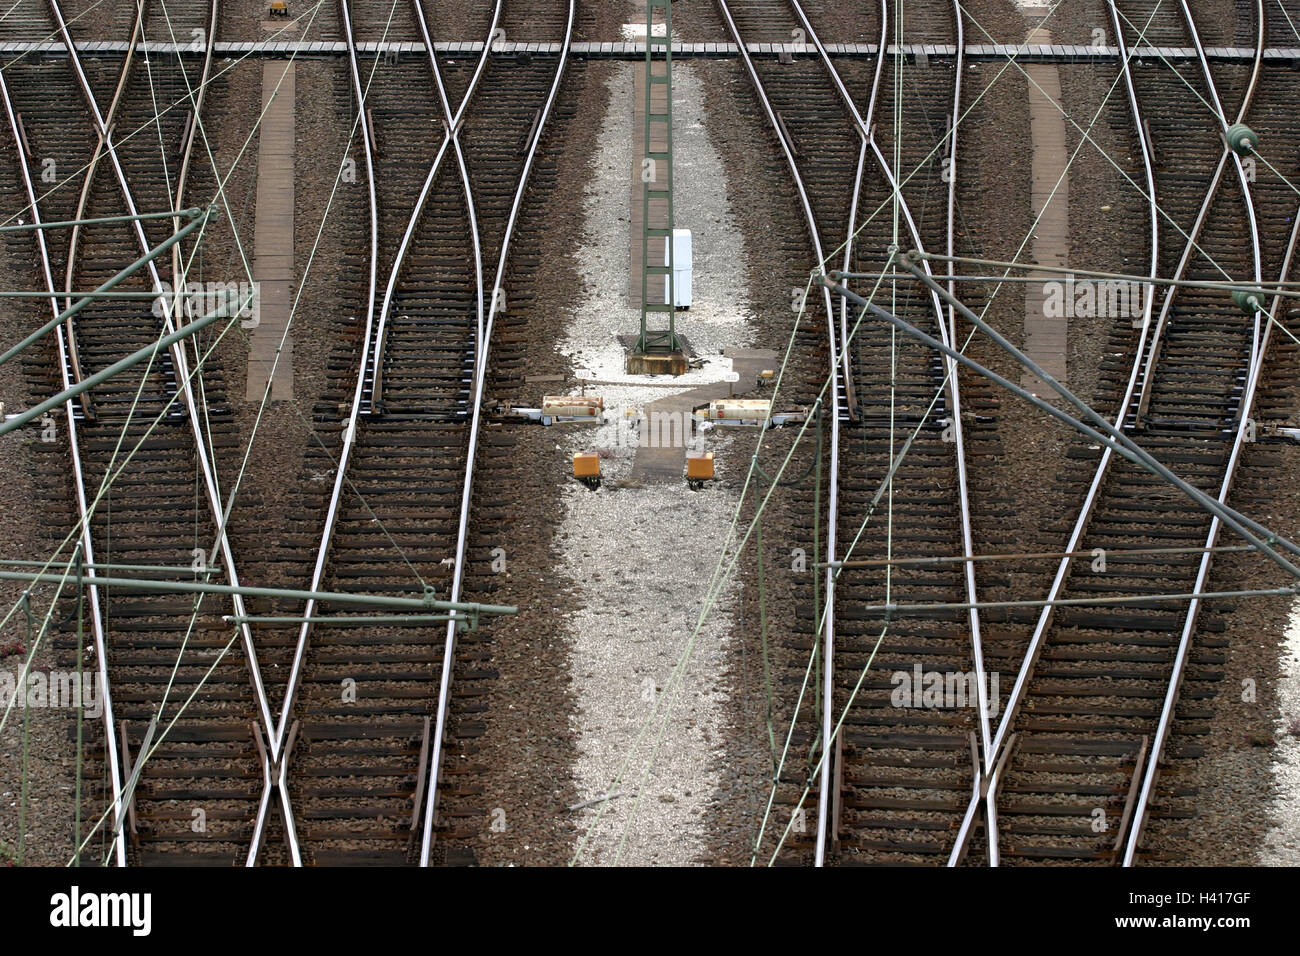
968, 339
1121, 446
109, 473
755, 455
1088, 276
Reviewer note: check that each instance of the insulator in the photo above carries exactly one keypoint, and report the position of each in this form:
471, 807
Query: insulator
1242, 140
1249, 301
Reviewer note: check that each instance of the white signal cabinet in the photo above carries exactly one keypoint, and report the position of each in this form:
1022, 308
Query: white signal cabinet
681, 268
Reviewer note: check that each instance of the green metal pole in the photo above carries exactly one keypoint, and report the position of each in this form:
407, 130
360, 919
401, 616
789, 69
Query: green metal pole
28, 294
1083, 278
916, 255
411, 620
652, 159
135, 358
172, 214
464, 622
105, 566
199, 587
1112, 438
76, 307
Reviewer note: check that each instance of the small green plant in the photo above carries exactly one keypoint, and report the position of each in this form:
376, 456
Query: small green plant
7, 856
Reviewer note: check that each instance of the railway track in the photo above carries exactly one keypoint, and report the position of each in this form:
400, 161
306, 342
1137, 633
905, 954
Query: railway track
351, 773
883, 796
353, 753
145, 440
1105, 694
1067, 750
904, 773
369, 711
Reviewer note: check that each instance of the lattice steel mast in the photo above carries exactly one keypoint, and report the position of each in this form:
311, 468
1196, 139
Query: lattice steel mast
657, 184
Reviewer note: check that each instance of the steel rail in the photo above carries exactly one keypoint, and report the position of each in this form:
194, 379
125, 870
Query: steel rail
985, 769
79, 486
851, 241
850, 395
787, 148
1081, 525
977, 642
1085, 515
186, 152
182, 180
1138, 820
86, 400
1139, 367
828, 653
452, 138
1259, 350
1153, 352
104, 129
371, 363
178, 269
865, 137
278, 733
432, 773
947, 333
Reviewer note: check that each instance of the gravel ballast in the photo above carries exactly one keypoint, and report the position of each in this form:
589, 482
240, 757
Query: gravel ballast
641, 558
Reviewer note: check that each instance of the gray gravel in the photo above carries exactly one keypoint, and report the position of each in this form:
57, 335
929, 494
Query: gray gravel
642, 558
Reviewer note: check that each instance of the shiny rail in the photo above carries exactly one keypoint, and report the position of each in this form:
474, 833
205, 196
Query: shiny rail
495, 301
1141, 375
1260, 342
71, 371
840, 369
79, 486
947, 334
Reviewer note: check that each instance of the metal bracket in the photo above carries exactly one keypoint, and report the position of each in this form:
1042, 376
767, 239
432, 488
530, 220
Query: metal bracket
130, 807
1135, 784
22, 136
133, 777
420, 778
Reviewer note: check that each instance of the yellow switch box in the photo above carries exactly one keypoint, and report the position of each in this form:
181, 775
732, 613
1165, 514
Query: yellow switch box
699, 465
586, 464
